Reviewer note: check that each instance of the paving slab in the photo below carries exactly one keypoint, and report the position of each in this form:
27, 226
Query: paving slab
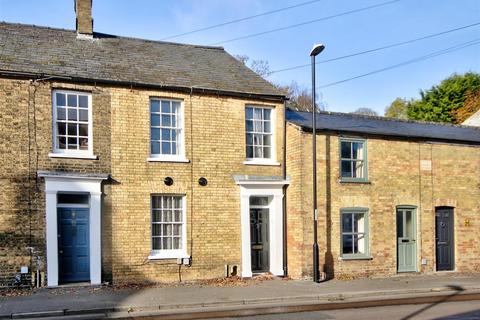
76, 300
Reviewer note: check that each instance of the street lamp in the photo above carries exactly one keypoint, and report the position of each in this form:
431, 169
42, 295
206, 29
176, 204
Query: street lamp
316, 275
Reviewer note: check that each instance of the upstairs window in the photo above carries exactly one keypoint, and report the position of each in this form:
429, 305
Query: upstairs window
353, 163
166, 129
72, 114
259, 133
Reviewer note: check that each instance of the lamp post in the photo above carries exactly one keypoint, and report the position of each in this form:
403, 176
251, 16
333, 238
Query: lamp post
316, 274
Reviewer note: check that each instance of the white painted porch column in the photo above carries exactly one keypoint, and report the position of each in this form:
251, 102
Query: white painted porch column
95, 237
52, 238
245, 226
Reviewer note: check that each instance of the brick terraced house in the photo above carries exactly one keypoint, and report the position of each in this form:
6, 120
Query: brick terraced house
123, 157
130, 160
393, 195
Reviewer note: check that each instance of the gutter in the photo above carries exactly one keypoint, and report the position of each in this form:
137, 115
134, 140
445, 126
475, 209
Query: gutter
418, 139
131, 84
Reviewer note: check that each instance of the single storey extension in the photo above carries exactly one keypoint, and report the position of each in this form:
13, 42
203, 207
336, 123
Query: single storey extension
393, 196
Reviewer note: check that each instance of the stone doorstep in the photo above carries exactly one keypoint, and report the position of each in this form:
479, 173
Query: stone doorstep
246, 303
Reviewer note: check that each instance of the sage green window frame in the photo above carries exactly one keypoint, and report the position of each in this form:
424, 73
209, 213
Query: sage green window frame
366, 233
364, 160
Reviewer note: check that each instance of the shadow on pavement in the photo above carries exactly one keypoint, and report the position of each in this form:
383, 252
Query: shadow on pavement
457, 289
471, 315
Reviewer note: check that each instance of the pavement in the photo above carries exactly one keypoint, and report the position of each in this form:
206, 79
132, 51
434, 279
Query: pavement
217, 299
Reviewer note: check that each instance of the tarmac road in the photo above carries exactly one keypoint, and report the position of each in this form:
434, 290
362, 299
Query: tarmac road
465, 310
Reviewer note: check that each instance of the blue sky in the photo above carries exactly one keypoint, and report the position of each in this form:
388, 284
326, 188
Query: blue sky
399, 21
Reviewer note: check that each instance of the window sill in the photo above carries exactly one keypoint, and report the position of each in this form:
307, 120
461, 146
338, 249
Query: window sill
73, 156
181, 160
168, 255
355, 181
355, 258
258, 162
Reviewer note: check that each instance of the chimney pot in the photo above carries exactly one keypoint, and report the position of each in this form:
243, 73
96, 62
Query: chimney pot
83, 10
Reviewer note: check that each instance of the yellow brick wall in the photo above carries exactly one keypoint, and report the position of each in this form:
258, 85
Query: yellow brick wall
299, 241
121, 140
395, 178
215, 146
456, 183
15, 184
25, 144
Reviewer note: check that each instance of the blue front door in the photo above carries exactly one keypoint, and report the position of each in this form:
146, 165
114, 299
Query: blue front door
73, 245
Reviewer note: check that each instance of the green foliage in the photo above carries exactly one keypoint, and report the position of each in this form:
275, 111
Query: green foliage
397, 109
470, 106
365, 111
440, 103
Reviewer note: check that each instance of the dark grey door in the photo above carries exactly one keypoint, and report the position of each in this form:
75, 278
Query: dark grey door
259, 239
444, 238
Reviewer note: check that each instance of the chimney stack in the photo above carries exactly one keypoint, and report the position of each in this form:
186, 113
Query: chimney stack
83, 10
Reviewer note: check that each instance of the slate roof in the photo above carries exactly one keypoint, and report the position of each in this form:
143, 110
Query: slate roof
49, 51
368, 125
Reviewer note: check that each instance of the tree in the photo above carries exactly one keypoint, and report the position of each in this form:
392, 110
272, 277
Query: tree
300, 98
440, 103
397, 109
260, 67
366, 112
243, 58
470, 106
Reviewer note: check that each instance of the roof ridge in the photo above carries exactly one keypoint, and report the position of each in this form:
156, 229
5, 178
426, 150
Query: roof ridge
34, 25
28, 50
114, 36
390, 119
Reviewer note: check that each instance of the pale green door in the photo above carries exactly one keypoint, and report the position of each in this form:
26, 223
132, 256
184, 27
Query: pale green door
406, 240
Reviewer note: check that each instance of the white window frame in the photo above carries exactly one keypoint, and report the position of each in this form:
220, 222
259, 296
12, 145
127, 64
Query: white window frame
273, 120
180, 157
68, 153
169, 253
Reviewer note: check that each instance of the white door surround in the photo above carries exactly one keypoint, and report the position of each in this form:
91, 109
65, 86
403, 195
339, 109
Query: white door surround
56, 182
271, 187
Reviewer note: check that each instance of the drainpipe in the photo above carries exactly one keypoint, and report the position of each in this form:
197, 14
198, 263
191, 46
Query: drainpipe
284, 213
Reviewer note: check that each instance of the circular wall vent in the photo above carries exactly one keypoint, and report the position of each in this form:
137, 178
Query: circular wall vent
202, 181
168, 181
